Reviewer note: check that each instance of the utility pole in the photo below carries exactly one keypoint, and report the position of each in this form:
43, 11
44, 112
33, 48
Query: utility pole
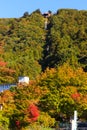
74, 121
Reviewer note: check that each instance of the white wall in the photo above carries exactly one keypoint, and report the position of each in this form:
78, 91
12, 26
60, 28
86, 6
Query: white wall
23, 80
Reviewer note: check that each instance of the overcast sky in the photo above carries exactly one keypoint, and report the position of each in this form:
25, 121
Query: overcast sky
16, 8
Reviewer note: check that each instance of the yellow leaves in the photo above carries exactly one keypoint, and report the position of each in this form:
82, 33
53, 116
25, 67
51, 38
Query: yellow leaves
65, 76
66, 86
7, 97
66, 92
69, 75
81, 76
65, 73
48, 72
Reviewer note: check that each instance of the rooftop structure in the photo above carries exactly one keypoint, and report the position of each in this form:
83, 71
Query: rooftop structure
23, 80
47, 14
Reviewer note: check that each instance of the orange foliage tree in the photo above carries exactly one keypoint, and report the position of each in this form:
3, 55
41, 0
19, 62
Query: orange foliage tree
65, 87
6, 73
26, 99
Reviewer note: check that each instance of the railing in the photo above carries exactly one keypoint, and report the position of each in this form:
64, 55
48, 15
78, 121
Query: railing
82, 128
63, 129
79, 128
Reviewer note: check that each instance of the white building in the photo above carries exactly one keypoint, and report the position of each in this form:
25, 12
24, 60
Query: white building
23, 80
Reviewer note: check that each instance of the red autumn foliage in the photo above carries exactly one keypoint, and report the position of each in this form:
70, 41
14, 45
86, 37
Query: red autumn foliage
4, 68
75, 96
2, 63
17, 123
34, 112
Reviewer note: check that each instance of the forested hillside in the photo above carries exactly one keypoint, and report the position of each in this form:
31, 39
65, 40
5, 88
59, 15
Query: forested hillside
22, 43
67, 39
54, 58
28, 48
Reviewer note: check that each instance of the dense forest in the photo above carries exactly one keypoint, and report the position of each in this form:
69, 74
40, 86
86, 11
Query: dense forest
55, 60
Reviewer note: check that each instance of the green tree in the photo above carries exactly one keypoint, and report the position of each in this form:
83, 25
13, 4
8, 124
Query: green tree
64, 88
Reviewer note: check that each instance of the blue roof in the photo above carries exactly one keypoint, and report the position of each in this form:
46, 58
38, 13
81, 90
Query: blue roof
6, 86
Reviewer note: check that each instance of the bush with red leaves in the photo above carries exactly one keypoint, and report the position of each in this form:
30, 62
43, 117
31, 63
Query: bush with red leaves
75, 96
33, 112
2, 63
18, 123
